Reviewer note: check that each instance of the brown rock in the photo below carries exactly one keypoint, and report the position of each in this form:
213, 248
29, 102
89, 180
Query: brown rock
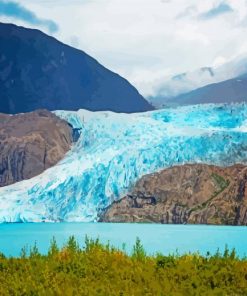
31, 143
195, 194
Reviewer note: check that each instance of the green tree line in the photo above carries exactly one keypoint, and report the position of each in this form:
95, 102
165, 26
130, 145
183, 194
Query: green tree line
100, 269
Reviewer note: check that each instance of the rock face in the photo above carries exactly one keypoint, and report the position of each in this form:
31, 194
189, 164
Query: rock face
31, 143
195, 194
37, 71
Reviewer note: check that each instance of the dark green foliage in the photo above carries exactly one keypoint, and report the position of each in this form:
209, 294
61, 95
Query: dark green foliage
165, 261
97, 269
72, 245
220, 182
34, 252
138, 252
53, 250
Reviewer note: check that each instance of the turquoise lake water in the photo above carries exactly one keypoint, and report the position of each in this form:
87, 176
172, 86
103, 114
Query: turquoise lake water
154, 237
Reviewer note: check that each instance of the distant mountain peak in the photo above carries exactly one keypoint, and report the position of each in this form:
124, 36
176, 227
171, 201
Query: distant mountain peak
199, 86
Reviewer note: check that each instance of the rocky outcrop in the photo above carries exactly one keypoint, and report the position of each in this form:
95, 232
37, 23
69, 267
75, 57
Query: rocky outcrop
195, 194
31, 143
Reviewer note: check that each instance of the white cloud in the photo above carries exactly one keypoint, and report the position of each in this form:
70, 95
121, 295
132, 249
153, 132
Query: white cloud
145, 40
218, 61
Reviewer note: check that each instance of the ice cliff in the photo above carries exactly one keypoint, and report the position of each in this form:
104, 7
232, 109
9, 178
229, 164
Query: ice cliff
114, 150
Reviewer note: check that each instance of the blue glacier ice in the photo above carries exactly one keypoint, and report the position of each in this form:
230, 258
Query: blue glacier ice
114, 150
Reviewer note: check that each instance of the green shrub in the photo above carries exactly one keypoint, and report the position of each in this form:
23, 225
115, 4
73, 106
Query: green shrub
98, 269
138, 252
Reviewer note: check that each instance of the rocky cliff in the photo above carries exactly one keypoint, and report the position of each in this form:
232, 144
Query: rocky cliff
31, 143
196, 193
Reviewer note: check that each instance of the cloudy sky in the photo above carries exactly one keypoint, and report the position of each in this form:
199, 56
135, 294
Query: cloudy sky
143, 40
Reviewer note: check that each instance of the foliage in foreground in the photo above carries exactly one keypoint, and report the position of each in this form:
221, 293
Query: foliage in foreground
98, 269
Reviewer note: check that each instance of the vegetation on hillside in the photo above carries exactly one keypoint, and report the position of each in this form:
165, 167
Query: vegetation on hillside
97, 269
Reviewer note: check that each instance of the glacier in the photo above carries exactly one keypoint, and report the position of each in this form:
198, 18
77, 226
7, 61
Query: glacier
114, 150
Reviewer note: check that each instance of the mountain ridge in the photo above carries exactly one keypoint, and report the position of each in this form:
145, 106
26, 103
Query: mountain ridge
46, 73
185, 85
228, 91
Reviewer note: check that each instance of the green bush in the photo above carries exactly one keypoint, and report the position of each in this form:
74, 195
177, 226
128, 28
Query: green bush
97, 269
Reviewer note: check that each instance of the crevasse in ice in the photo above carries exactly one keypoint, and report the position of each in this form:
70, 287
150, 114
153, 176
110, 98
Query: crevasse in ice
114, 150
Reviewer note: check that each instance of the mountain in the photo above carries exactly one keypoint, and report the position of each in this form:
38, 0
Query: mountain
30, 143
195, 194
182, 83
232, 90
37, 71
181, 87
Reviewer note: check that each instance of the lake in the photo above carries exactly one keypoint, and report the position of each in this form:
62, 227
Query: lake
154, 237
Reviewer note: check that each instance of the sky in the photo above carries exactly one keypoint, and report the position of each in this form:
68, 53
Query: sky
143, 40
